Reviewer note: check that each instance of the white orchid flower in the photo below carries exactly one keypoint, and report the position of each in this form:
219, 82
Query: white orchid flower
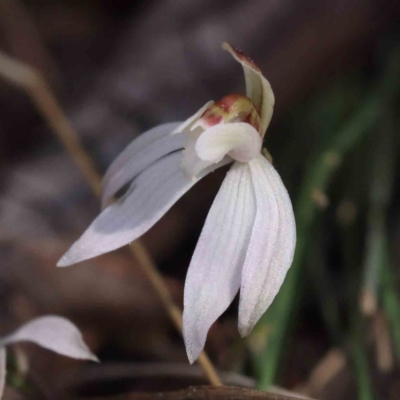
51, 332
249, 236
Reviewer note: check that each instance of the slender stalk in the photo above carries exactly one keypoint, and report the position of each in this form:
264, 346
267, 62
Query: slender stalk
379, 197
30, 80
142, 255
390, 299
379, 274
358, 325
318, 177
360, 363
322, 283
356, 345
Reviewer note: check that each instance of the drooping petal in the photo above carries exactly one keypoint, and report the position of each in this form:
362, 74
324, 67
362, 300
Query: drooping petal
258, 89
54, 333
140, 154
188, 124
3, 370
150, 196
237, 140
214, 274
271, 247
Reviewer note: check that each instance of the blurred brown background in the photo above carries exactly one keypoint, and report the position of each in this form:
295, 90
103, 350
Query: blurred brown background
120, 68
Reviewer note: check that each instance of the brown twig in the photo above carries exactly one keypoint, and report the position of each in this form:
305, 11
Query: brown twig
24, 41
323, 373
30, 80
383, 344
148, 374
204, 393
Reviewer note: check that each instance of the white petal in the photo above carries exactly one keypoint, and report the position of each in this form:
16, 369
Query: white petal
271, 248
54, 333
150, 196
191, 163
237, 140
214, 273
3, 371
138, 155
258, 89
188, 124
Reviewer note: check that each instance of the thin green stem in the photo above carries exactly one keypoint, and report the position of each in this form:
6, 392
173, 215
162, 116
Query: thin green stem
356, 345
323, 286
379, 197
318, 177
379, 272
390, 300
359, 360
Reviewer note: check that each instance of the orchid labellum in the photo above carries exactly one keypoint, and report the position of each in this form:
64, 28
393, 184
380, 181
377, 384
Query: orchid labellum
249, 236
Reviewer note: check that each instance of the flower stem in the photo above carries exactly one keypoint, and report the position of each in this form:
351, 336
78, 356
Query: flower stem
30, 80
143, 256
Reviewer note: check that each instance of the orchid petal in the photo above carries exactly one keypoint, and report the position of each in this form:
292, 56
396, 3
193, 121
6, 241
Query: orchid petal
140, 154
258, 89
188, 124
150, 196
271, 247
53, 333
3, 370
238, 140
191, 163
214, 273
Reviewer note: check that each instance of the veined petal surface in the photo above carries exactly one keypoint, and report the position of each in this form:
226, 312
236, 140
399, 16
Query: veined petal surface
214, 273
271, 247
53, 333
258, 89
150, 196
144, 150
